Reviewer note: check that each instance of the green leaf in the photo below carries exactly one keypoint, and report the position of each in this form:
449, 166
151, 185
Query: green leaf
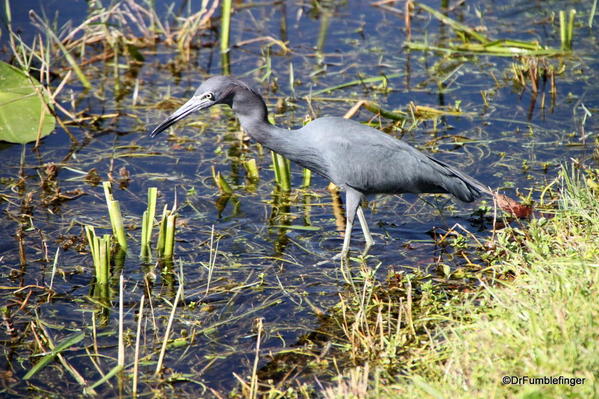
64, 344
108, 376
295, 227
22, 112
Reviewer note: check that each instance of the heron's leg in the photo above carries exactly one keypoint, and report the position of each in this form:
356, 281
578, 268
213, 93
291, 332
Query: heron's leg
352, 204
365, 230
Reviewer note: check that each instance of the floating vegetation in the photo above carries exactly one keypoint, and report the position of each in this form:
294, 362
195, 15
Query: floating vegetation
535, 70
485, 45
364, 81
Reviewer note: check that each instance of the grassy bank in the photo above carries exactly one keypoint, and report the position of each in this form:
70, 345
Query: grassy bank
540, 319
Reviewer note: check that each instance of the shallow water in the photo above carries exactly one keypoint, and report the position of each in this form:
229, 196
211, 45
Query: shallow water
264, 270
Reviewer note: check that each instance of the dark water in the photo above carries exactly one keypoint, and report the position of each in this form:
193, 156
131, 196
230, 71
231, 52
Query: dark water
263, 270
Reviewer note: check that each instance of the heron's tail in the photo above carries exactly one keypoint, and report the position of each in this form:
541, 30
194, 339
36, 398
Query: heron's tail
464, 187
468, 189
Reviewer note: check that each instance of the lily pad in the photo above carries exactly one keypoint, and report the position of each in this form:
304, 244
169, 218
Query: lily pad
21, 107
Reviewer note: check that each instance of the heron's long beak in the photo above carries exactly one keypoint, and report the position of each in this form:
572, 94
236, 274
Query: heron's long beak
196, 103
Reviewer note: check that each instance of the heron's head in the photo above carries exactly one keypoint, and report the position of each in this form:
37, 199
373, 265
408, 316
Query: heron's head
215, 90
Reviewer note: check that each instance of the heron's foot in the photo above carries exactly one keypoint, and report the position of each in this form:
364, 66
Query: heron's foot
339, 256
343, 256
367, 247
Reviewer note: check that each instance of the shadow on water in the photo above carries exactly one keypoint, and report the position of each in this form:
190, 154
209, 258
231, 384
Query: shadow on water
250, 254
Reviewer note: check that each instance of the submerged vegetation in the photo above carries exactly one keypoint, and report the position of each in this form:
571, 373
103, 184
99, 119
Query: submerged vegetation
224, 299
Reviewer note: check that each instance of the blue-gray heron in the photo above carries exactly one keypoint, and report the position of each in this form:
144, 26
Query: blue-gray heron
359, 159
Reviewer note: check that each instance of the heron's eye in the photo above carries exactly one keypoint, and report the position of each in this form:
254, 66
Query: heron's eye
208, 96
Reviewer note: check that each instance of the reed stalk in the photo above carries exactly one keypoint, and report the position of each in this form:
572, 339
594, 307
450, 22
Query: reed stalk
116, 218
162, 231
137, 345
252, 169
282, 169
307, 178
121, 338
148, 222
566, 24
225, 31
168, 331
100, 251
223, 186
169, 239
166, 238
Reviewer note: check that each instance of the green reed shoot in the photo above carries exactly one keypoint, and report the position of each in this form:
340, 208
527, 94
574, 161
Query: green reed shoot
307, 178
7, 12
281, 166
225, 30
592, 14
252, 169
115, 67
148, 222
566, 28
162, 231
169, 240
100, 251
225, 26
166, 237
116, 218
282, 169
223, 186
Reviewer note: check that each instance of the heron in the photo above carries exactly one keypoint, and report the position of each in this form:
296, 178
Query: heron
360, 160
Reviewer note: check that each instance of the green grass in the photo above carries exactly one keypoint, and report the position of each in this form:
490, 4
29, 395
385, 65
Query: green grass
542, 322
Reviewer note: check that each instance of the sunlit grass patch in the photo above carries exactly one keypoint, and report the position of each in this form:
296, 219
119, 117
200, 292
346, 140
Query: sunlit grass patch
541, 323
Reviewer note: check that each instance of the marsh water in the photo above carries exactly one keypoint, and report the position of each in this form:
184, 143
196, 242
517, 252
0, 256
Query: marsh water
265, 243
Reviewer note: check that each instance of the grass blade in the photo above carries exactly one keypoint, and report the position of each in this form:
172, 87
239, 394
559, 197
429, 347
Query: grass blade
592, 14
46, 29
168, 330
115, 370
355, 83
63, 345
453, 23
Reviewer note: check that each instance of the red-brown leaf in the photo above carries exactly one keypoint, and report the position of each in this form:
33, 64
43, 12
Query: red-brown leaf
513, 207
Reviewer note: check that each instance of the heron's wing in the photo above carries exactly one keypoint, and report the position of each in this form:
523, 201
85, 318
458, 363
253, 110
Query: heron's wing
371, 161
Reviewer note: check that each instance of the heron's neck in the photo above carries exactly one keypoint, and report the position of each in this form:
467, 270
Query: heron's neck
253, 116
